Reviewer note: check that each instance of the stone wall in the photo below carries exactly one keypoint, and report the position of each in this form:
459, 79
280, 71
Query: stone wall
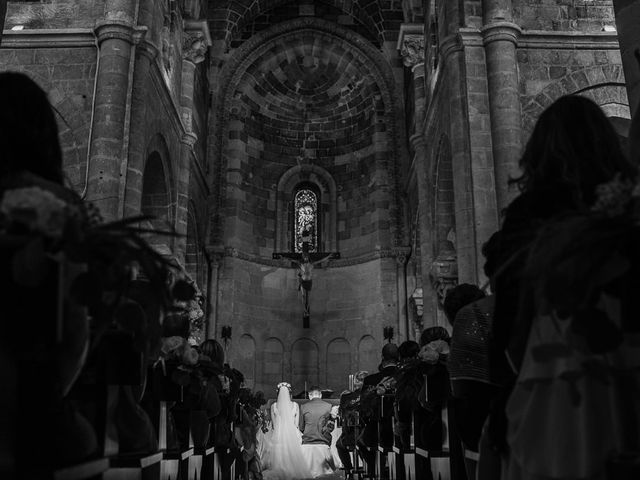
67, 74
347, 303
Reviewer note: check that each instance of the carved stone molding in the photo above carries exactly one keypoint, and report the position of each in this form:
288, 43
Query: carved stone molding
501, 31
196, 40
411, 44
401, 254
444, 274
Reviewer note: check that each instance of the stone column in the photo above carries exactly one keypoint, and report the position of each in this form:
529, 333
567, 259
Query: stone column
500, 37
115, 34
215, 258
401, 254
146, 53
627, 21
411, 47
195, 43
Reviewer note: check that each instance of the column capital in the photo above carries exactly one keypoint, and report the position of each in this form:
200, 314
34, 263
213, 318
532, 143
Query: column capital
444, 274
401, 254
411, 44
189, 139
111, 29
417, 141
450, 45
196, 41
500, 31
215, 254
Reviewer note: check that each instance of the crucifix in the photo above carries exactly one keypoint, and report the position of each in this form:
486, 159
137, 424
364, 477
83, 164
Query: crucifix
305, 262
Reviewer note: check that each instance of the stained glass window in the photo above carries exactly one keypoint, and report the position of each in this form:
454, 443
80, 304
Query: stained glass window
305, 226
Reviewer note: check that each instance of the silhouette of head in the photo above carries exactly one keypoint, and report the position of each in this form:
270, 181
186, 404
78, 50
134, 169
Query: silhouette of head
458, 297
408, 349
314, 392
434, 333
574, 147
390, 352
28, 130
212, 349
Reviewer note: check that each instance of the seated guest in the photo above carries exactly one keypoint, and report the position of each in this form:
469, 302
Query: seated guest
472, 385
349, 405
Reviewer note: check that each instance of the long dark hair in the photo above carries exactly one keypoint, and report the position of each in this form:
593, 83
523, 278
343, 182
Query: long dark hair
28, 130
574, 147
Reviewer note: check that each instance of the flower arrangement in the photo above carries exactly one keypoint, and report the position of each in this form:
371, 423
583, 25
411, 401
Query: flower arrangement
51, 237
434, 352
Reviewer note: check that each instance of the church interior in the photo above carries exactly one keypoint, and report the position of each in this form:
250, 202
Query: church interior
320, 173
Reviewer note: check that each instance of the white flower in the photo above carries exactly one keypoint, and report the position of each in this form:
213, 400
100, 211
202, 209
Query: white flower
37, 209
189, 356
172, 344
432, 351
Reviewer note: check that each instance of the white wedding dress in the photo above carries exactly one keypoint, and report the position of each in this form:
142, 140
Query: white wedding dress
281, 448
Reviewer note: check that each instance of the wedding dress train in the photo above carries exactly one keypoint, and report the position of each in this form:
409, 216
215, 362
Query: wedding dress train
281, 448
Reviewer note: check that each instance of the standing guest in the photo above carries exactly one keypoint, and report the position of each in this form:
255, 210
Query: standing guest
349, 405
458, 297
573, 150
473, 386
36, 375
370, 409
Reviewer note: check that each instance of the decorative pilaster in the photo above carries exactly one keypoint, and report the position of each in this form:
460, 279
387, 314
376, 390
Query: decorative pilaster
215, 257
115, 34
401, 255
411, 46
444, 275
425, 224
195, 44
500, 38
146, 53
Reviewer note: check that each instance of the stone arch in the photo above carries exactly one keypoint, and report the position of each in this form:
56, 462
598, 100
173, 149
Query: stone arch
238, 14
273, 362
229, 147
304, 364
325, 183
157, 173
194, 249
245, 359
157, 195
577, 82
444, 214
338, 364
368, 354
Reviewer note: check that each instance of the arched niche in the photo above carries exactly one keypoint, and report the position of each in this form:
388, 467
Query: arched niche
338, 364
273, 362
325, 185
304, 364
157, 197
368, 354
245, 356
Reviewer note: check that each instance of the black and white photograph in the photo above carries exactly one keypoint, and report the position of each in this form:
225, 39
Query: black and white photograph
320, 240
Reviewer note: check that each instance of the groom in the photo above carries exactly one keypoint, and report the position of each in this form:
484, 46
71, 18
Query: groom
316, 426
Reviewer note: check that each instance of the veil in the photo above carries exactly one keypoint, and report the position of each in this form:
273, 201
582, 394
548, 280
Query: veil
282, 455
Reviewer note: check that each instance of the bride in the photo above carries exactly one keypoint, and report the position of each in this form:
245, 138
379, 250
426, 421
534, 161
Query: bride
281, 448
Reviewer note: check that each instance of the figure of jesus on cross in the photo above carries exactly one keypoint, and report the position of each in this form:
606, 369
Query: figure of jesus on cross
306, 261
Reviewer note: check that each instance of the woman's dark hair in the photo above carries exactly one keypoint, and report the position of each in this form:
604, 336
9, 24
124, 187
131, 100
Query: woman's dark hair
491, 251
575, 147
408, 349
434, 333
458, 297
28, 130
212, 349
